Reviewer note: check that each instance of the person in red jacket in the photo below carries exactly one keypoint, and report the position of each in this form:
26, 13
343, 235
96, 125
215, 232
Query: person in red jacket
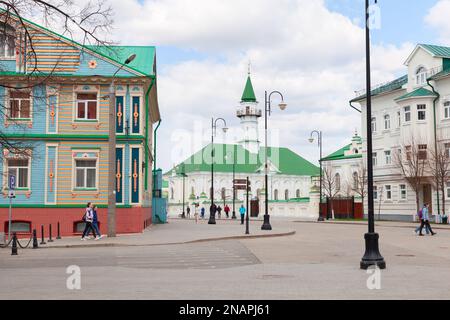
227, 210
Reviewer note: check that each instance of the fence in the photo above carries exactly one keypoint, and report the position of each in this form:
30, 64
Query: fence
343, 208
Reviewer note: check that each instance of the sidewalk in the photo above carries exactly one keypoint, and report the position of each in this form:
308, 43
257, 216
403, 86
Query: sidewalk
179, 231
391, 224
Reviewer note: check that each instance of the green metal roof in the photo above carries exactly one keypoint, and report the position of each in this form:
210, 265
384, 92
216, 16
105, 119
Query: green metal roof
340, 154
287, 161
440, 51
421, 92
390, 86
144, 61
249, 93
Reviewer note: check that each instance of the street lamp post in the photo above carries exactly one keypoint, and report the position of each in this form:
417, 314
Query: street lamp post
267, 110
183, 174
319, 142
372, 256
233, 188
212, 215
112, 153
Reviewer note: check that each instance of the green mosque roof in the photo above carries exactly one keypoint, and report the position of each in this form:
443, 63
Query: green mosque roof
249, 93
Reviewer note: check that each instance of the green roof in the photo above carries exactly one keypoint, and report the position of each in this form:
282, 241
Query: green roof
287, 161
249, 93
144, 61
340, 154
388, 87
421, 92
165, 184
440, 51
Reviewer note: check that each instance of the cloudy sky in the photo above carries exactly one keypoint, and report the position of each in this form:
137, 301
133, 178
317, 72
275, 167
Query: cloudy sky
310, 50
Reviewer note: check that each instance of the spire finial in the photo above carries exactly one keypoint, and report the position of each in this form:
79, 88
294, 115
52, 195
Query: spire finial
249, 67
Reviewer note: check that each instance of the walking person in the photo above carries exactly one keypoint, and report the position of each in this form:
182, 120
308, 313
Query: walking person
196, 213
188, 212
88, 218
227, 211
242, 212
95, 228
419, 214
202, 212
212, 209
219, 211
425, 220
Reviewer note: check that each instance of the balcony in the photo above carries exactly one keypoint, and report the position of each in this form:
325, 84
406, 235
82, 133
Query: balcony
249, 112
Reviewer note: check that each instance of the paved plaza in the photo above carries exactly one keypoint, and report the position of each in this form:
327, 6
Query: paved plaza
300, 260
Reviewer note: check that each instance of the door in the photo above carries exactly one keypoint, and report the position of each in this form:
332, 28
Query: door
254, 204
427, 196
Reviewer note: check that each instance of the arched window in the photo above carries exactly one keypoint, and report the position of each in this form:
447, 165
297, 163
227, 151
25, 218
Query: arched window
374, 124
297, 193
355, 180
421, 76
223, 193
337, 182
275, 194
171, 193
286, 194
387, 122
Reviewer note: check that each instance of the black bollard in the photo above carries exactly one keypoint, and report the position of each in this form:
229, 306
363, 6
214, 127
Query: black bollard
58, 236
42, 235
14, 245
50, 233
35, 241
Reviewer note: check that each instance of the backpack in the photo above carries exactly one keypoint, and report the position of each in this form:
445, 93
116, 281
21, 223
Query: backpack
420, 214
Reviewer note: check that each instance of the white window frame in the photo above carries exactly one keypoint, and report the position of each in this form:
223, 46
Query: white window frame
422, 110
374, 159
421, 76
375, 192
448, 190
402, 191
85, 119
388, 157
74, 172
447, 149
407, 113
388, 191
387, 121
399, 119
373, 123
446, 108
20, 118
9, 33
6, 174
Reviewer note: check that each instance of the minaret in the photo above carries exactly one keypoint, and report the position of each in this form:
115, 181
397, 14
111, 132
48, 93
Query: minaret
249, 113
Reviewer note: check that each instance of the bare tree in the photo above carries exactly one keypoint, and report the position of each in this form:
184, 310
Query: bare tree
439, 167
412, 159
88, 24
330, 183
359, 182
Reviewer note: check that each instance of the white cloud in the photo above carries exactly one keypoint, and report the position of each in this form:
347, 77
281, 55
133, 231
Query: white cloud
314, 56
437, 18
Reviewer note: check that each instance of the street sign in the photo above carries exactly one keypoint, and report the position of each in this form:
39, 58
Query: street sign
241, 181
12, 182
244, 187
11, 194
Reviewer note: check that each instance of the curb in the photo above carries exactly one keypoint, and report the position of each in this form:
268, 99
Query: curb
99, 245
410, 224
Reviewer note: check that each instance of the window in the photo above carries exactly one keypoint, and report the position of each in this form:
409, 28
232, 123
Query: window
375, 192
388, 157
171, 193
337, 181
408, 152
19, 226
421, 112
421, 76
407, 111
399, 119
448, 190
422, 152
85, 174
374, 159
275, 194
286, 195
355, 180
388, 189
374, 124
7, 41
86, 106
447, 150
447, 110
297, 193
387, 122
19, 104
403, 191
20, 169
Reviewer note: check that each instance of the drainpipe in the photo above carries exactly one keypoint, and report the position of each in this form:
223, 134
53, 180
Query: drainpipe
146, 132
154, 152
435, 135
354, 107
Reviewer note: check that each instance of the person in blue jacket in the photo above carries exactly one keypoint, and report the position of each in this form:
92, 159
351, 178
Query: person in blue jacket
425, 220
242, 212
95, 224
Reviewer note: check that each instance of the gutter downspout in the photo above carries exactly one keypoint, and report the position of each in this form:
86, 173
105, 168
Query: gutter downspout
435, 136
354, 107
154, 152
146, 132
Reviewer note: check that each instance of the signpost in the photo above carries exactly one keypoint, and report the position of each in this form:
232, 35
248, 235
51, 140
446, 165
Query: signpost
244, 184
11, 195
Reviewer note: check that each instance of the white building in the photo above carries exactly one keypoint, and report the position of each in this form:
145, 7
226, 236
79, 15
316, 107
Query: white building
290, 175
416, 107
